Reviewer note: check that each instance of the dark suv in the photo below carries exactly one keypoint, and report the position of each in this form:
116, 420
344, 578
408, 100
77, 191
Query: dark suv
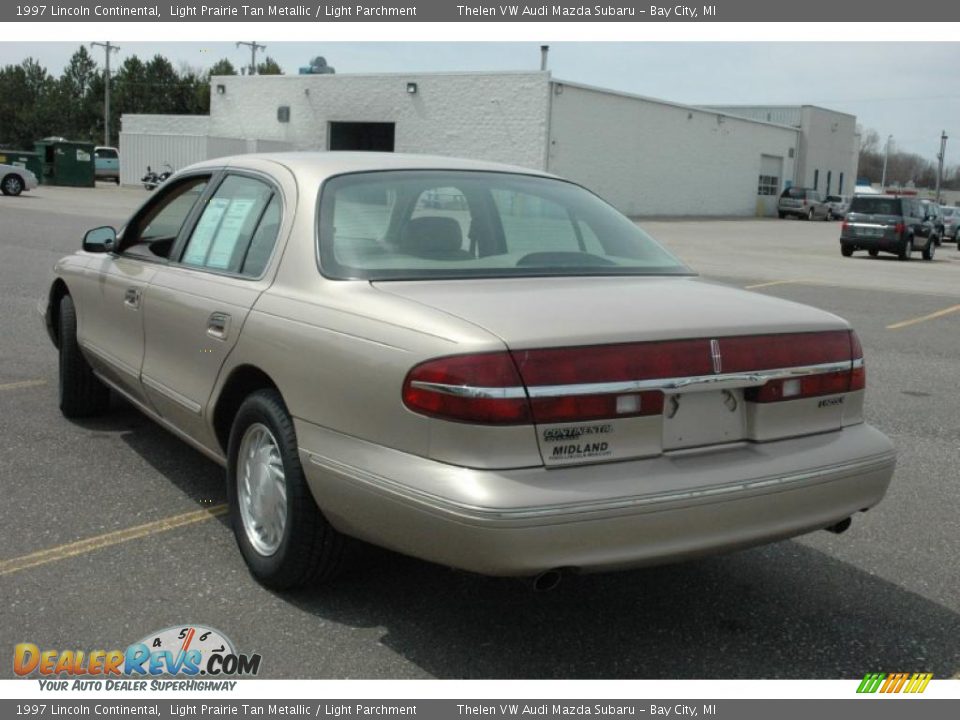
805, 203
884, 223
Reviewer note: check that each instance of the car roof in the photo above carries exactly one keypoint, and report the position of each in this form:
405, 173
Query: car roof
323, 164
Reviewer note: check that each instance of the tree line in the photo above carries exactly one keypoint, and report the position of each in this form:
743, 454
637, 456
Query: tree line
34, 104
902, 167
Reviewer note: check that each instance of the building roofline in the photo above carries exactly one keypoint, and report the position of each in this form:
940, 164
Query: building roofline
423, 73
780, 107
669, 103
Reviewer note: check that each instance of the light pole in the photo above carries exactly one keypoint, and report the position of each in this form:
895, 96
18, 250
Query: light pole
253, 55
886, 154
943, 151
107, 49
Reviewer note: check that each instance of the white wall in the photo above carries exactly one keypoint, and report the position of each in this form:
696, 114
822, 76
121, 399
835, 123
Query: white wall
654, 158
489, 116
830, 146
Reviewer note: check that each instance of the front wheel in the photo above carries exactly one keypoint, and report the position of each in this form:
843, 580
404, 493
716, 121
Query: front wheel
283, 537
810, 214
873, 253
12, 185
929, 250
81, 392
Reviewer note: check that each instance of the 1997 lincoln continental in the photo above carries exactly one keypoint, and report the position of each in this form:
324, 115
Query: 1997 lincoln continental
475, 364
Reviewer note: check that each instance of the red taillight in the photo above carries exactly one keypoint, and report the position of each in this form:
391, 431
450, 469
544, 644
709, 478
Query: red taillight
845, 226
484, 388
814, 349
560, 385
899, 228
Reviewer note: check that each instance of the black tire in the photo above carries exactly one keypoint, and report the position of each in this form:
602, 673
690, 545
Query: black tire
846, 250
781, 215
310, 551
809, 214
906, 249
929, 250
873, 253
11, 185
81, 393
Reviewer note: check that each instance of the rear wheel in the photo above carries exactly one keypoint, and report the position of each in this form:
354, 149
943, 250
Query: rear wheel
846, 250
11, 185
81, 392
284, 538
810, 214
781, 215
929, 250
906, 250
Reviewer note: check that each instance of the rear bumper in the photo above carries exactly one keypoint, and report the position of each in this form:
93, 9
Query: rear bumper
525, 521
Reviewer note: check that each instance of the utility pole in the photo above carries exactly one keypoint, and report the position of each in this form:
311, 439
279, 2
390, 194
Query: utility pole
107, 49
943, 152
886, 154
253, 55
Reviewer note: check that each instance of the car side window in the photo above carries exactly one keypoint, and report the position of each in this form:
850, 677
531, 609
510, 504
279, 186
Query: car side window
153, 231
238, 228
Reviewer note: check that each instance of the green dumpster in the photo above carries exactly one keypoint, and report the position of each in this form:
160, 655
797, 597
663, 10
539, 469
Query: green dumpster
23, 158
66, 162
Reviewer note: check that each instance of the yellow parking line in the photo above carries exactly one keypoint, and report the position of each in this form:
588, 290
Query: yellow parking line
776, 282
81, 547
22, 384
931, 316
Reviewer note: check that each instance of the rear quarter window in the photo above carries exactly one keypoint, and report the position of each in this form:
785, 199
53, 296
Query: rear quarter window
876, 206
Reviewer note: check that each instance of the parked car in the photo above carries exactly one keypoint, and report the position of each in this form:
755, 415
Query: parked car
935, 215
888, 223
15, 179
477, 385
951, 221
804, 203
107, 163
837, 206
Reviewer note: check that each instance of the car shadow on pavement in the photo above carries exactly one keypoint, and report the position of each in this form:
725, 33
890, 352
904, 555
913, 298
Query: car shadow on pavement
780, 611
195, 475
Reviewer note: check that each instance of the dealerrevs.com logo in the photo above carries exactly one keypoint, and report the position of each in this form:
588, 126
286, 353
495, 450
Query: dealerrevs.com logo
183, 651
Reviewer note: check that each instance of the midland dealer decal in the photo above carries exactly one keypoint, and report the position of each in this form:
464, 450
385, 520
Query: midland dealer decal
187, 652
580, 442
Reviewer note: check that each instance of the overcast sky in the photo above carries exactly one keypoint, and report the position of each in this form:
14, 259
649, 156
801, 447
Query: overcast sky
908, 90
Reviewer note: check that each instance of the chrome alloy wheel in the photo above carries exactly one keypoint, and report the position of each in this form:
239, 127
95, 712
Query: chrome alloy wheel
261, 489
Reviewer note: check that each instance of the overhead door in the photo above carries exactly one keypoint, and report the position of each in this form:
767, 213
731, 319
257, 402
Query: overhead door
768, 184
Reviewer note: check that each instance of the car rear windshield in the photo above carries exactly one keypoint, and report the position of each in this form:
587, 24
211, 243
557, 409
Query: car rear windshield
416, 224
875, 205
948, 212
795, 192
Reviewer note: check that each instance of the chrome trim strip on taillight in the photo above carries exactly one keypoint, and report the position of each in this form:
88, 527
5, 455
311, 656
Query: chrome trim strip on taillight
695, 383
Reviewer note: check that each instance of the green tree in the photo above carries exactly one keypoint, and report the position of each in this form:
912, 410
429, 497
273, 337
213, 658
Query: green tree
28, 109
269, 67
222, 67
82, 106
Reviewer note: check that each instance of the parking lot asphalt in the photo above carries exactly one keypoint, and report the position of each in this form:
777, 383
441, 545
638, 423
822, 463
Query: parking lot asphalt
113, 528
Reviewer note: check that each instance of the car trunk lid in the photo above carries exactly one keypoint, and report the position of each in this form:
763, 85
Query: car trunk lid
616, 368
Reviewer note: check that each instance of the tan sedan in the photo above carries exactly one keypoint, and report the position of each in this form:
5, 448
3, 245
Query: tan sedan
475, 364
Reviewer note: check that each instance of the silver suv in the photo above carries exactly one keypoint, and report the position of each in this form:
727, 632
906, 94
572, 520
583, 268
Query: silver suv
804, 203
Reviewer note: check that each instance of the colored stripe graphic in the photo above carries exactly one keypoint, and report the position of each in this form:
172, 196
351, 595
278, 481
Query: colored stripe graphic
894, 682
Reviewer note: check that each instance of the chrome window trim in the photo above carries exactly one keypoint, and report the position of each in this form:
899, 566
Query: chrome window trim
695, 383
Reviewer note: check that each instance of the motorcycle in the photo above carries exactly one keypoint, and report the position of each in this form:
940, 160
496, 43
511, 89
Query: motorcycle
153, 179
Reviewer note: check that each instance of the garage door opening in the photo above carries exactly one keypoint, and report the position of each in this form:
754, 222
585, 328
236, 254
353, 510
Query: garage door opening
377, 137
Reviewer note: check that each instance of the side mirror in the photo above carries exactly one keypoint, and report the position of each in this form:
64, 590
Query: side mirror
100, 240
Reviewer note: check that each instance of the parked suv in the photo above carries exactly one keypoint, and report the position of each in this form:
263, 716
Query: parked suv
805, 203
885, 223
837, 206
107, 163
951, 221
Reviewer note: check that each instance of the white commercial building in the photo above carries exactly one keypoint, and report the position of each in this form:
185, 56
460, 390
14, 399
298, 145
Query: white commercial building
646, 156
829, 149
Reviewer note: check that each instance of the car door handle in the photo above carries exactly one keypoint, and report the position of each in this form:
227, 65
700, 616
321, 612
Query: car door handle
131, 298
218, 324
